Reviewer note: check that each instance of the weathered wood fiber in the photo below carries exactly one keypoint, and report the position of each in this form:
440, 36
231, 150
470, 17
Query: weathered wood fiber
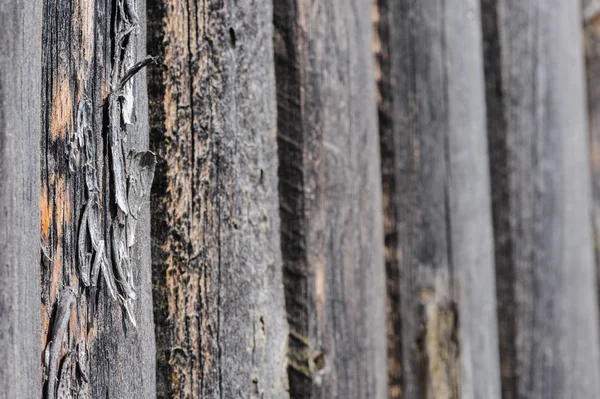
537, 126
591, 26
218, 291
330, 194
433, 131
20, 86
91, 118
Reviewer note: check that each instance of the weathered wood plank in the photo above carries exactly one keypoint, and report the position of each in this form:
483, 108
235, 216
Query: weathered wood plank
381, 48
591, 26
20, 88
95, 264
220, 321
432, 121
542, 199
330, 193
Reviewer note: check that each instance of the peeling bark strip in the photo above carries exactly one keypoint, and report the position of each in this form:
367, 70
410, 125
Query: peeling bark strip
20, 86
439, 200
220, 321
95, 189
541, 180
330, 193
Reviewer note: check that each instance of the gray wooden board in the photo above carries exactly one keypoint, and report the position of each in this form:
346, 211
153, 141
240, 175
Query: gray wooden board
446, 305
547, 303
98, 352
20, 89
330, 199
591, 30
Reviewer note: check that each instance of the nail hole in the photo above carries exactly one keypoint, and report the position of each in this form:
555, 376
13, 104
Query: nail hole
319, 360
232, 38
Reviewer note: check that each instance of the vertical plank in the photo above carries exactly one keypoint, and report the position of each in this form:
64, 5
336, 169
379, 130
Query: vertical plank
541, 187
20, 87
591, 27
434, 133
96, 318
218, 291
382, 29
330, 193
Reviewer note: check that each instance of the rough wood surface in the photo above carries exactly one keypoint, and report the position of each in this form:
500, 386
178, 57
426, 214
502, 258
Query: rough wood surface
542, 199
219, 307
433, 129
330, 194
20, 87
96, 285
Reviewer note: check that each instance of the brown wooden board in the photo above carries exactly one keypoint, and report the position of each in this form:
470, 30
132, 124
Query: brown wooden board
218, 291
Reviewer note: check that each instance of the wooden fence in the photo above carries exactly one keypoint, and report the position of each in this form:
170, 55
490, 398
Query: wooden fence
299, 198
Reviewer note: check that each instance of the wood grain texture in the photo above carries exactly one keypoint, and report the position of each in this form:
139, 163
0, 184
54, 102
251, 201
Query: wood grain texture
89, 345
433, 131
330, 194
542, 199
20, 87
218, 291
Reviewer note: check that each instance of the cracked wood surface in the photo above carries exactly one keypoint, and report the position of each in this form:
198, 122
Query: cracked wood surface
437, 200
20, 87
547, 304
330, 199
219, 308
90, 345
